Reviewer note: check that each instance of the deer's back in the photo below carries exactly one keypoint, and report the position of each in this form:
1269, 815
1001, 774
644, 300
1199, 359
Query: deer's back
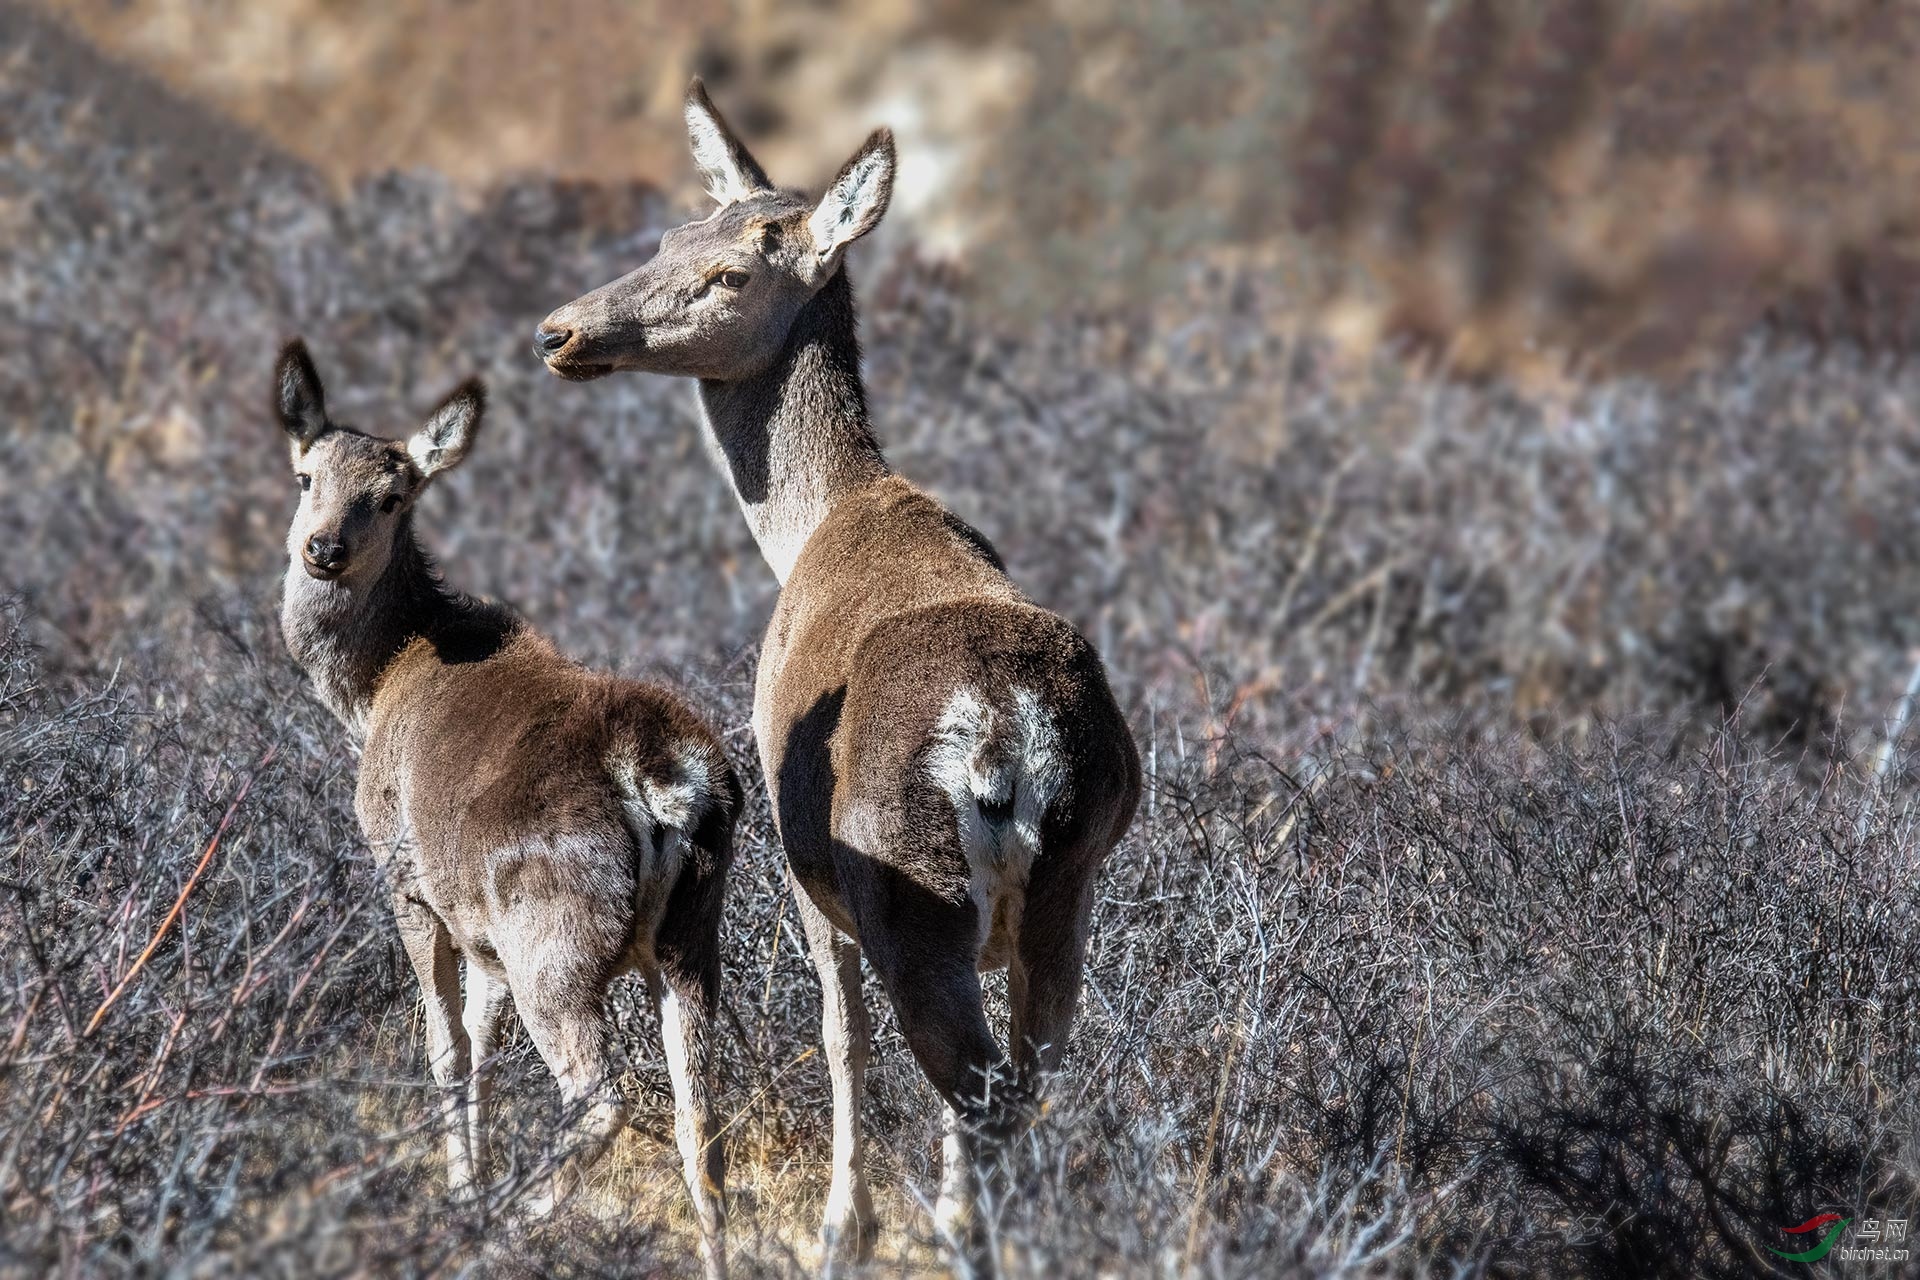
502, 768
882, 552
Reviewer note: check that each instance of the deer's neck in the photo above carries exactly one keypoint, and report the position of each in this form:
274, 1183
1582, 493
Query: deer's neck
345, 633
794, 438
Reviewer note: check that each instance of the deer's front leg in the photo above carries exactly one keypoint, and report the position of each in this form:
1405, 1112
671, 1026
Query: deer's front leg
435, 964
849, 1228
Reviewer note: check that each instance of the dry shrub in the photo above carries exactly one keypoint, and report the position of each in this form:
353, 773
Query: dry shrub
1441, 1005
1507, 897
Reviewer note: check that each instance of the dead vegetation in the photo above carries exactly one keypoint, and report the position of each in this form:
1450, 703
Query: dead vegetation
1511, 896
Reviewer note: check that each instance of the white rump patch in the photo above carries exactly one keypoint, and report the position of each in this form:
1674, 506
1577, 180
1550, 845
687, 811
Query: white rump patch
680, 802
963, 726
1001, 769
663, 811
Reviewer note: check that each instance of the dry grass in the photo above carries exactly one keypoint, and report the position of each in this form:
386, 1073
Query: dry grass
1511, 894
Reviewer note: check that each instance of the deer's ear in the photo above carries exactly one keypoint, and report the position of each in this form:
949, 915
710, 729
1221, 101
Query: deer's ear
726, 166
855, 200
443, 443
299, 400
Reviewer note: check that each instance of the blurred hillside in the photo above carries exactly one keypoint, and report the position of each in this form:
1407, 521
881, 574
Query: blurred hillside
485, 91
1535, 188
1602, 186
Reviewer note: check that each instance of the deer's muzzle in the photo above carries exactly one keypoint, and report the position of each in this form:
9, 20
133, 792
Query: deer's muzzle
324, 558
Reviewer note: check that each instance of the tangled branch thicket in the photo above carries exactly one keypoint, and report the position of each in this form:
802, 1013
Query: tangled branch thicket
1616, 1008
1510, 894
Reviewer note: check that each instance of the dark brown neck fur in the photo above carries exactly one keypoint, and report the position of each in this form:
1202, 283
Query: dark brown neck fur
345, 635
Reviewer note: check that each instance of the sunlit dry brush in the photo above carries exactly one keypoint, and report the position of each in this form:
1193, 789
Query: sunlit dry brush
1587, 185
1449, 1002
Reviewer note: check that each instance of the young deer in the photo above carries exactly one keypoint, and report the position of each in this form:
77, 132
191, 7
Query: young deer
554, 826
947, 764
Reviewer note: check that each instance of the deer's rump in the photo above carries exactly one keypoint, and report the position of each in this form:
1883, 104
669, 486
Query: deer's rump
974, 743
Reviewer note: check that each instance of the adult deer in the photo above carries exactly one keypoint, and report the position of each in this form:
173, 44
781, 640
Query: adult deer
947, 764
552, 825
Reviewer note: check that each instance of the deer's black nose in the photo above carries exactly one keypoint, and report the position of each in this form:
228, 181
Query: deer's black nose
325, 553
548, 341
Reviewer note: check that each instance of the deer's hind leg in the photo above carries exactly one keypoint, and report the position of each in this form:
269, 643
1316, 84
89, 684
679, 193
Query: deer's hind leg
561, 950
1044, 975
487, 998
926, 951
436, 966
564, 1019
686, 990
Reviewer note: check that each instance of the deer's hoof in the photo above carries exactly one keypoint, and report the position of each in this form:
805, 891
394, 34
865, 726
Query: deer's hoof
953, 1217
848, 1235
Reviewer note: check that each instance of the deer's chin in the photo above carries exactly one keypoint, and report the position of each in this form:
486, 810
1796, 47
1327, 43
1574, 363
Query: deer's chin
320, 573
578, 370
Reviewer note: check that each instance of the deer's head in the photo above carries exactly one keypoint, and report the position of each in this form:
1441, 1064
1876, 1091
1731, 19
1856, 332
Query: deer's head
718, 299
356, 489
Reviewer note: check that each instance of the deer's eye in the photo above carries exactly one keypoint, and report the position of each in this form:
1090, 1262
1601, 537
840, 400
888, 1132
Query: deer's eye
733, 279
306, 482
391, 504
